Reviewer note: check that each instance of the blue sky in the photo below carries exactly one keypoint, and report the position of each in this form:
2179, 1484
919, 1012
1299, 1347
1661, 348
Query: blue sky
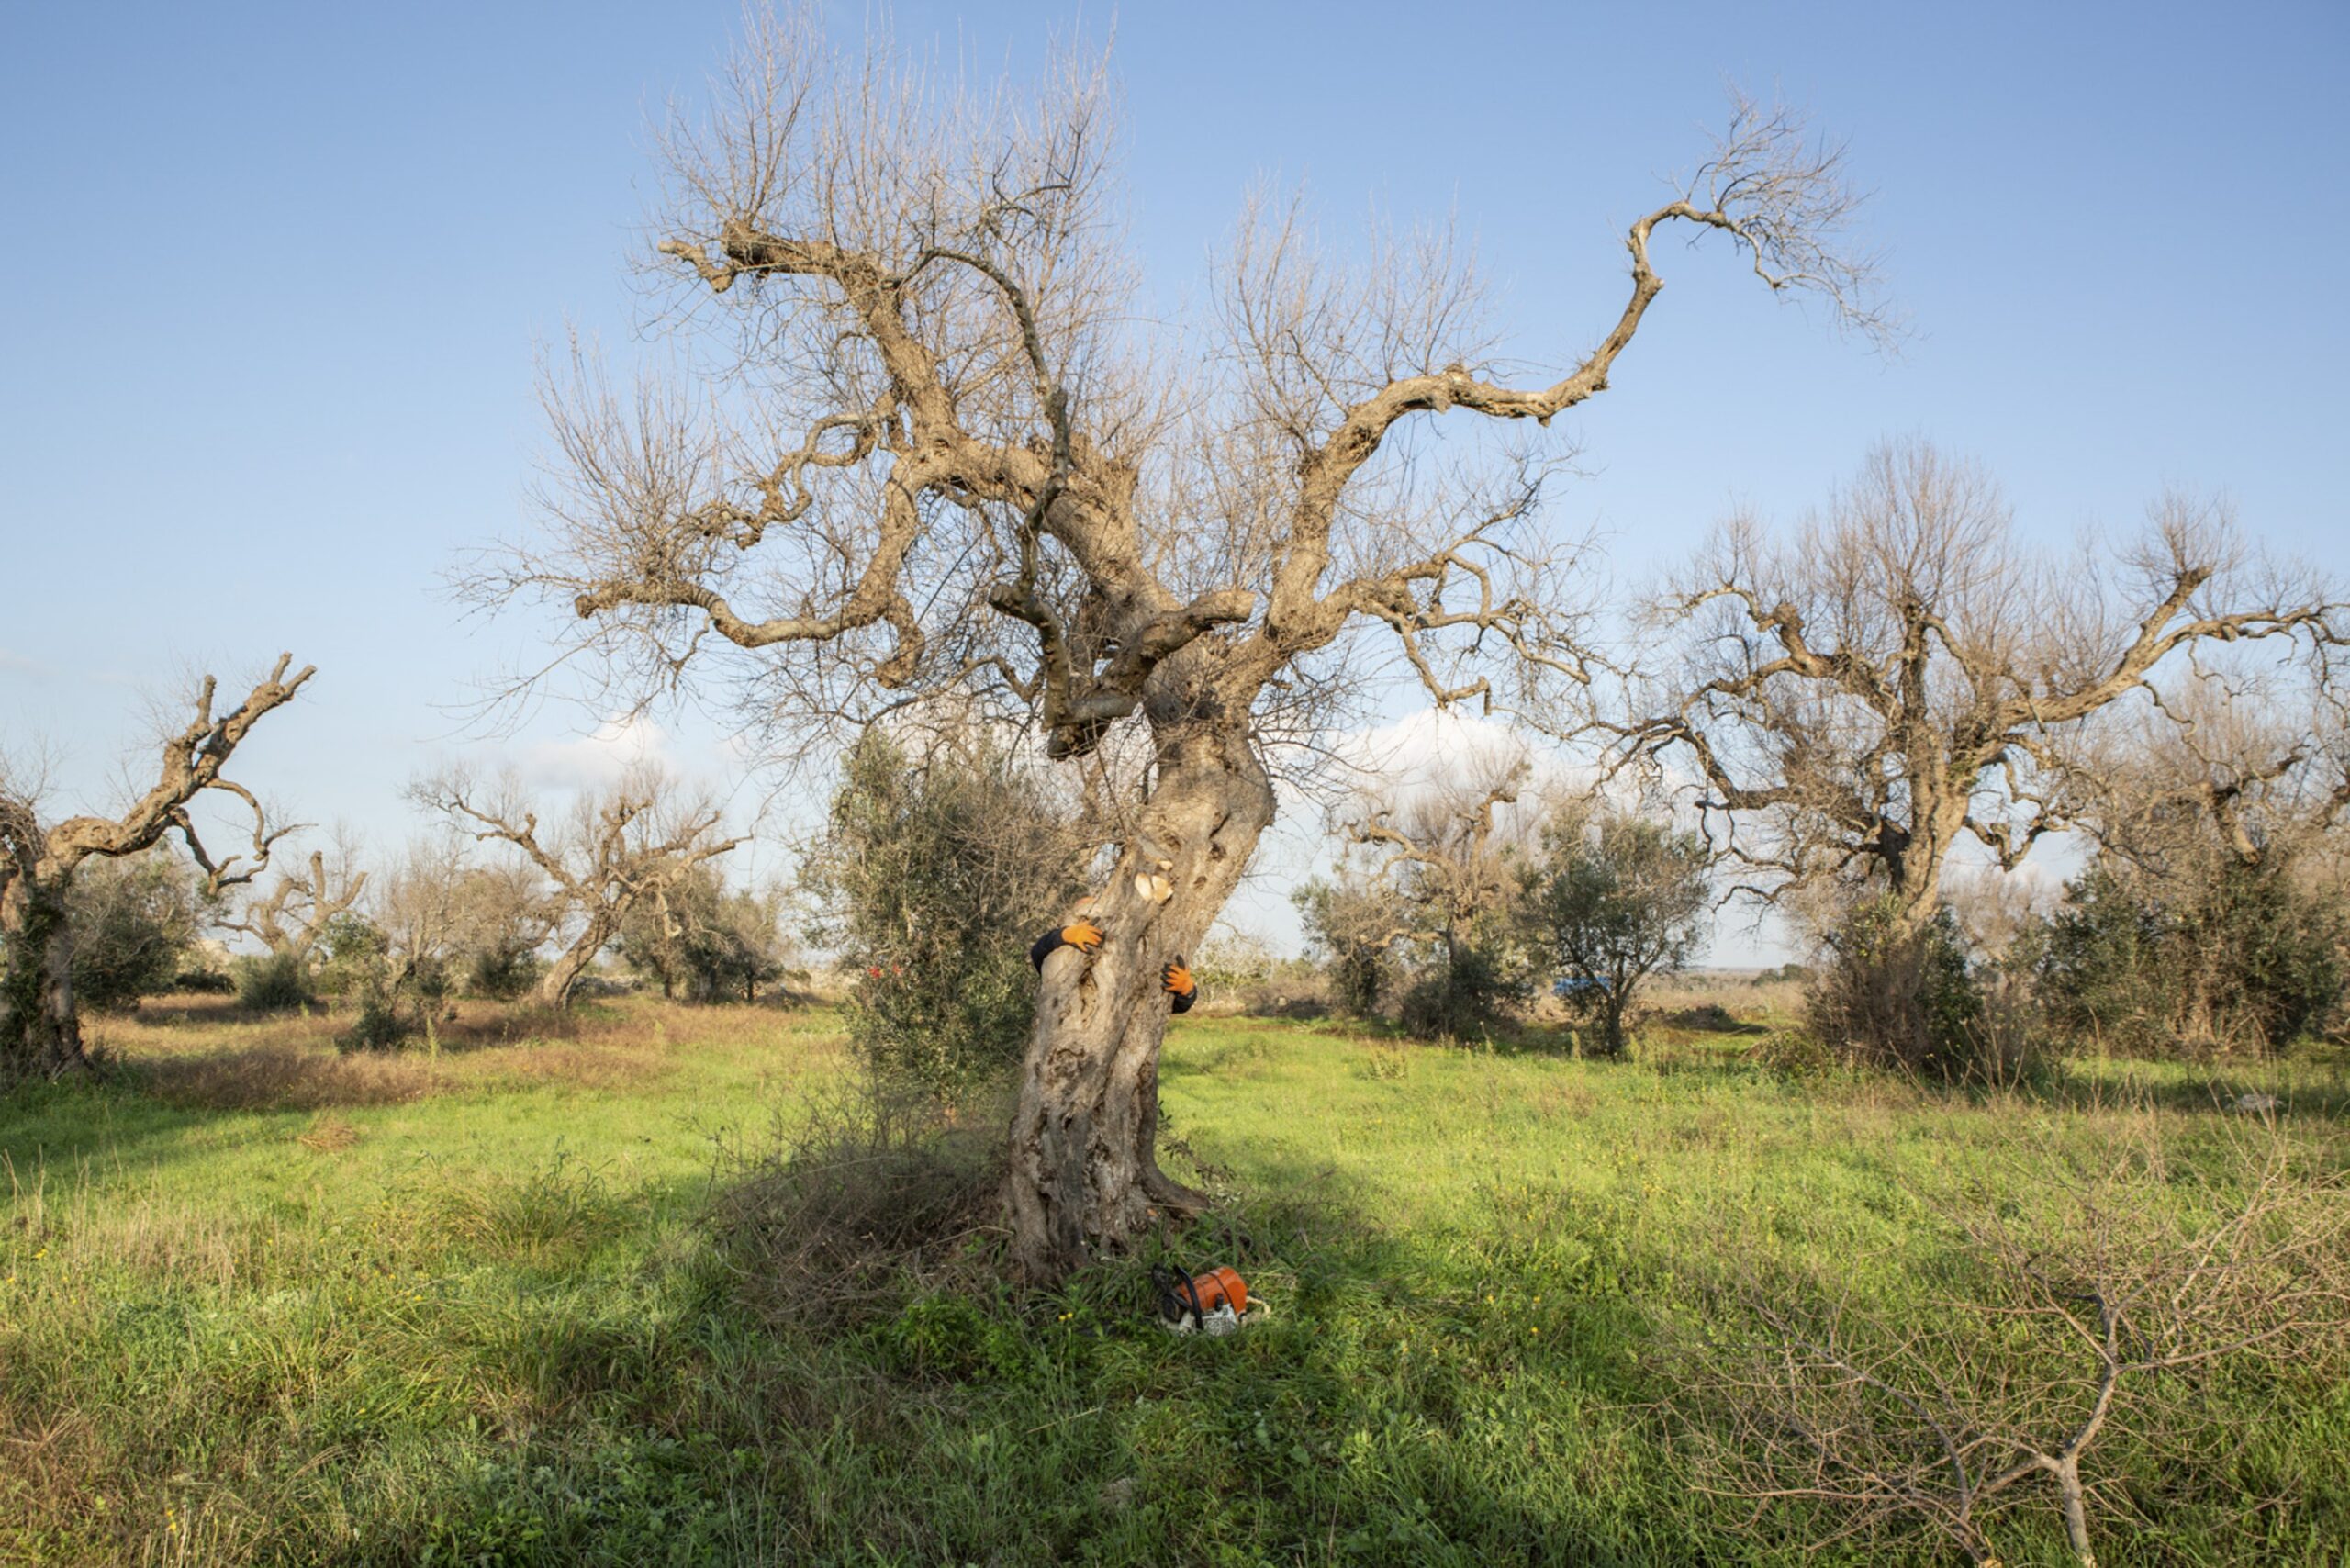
276, 279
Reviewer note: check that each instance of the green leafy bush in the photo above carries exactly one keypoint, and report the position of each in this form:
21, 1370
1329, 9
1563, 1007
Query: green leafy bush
934, 876
1908, 999
502, 970
1468, 990
273, 983
133, 923
2243, 958
379, 1025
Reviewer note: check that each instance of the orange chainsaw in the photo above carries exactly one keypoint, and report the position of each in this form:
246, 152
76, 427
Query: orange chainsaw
1215, 1302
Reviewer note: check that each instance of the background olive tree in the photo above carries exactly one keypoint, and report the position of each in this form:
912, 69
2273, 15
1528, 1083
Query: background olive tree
40, 1028
1615, 897
1446, 863
1855, 696
302, 901
702, 939
1351, 931
609, 850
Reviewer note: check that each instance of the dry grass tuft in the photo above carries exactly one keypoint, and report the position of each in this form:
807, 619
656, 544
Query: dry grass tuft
874, 1197
50, 1461
286, 1078
329, 1134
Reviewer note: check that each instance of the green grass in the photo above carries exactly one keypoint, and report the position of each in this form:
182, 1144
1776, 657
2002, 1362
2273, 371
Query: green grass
470, 1312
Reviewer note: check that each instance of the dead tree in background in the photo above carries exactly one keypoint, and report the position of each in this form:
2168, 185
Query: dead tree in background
2220, 766
302, 904
1899, 674
943, 457
611, 849
1447, 869
41, 1029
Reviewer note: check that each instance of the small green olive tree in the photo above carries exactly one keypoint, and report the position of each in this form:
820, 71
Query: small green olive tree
1617, 897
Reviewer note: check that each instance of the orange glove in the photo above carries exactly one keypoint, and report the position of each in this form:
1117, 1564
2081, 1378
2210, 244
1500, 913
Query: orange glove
1175, 979
1083, 936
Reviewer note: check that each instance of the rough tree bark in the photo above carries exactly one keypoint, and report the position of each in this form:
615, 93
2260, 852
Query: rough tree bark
1084, 1170
562, 979
41, 1030
953, 468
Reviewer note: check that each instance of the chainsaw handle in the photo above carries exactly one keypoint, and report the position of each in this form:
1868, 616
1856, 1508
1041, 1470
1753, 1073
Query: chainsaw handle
1174, 1285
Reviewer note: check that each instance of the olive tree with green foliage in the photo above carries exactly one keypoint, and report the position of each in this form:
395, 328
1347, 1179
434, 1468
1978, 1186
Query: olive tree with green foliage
709, 941
935, 872
133, 923
1615, 899
1351, 930
2247, 958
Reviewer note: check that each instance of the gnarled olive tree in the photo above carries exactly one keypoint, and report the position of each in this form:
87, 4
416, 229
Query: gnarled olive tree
1857, 696
303, 902
932, 449
40, 1028
614, 847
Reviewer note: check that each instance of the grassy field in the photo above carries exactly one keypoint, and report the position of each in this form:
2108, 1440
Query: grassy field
260, 1303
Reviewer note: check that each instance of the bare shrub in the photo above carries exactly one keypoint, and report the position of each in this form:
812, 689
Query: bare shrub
2118, 1309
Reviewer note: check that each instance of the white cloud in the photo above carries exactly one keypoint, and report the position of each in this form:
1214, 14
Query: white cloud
1427, 748
599, 758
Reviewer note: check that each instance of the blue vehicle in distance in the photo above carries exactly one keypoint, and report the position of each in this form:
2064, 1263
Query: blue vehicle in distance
1579, 988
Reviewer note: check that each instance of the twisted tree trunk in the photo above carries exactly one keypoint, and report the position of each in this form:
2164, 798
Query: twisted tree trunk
1084, 1170
40, 1033
564, 975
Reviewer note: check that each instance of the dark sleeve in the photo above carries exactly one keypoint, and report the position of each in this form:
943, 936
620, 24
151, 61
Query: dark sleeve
1183, 1003
1045, 946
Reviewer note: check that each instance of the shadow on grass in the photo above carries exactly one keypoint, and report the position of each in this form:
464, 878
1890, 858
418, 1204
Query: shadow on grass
2250, 1090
